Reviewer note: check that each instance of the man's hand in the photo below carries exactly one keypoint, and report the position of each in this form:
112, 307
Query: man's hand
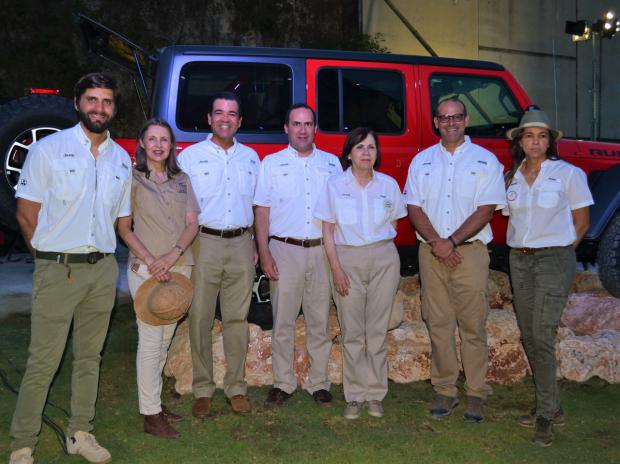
441, 248
341, 281
269, 266
453, 260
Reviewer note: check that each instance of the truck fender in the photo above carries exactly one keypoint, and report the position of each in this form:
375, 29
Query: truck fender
605, 188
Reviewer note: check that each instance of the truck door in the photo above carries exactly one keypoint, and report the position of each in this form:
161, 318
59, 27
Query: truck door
349, 94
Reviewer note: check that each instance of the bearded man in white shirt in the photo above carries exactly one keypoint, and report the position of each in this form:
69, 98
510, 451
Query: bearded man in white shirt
223, 174
73, 187
452, 190
290, 244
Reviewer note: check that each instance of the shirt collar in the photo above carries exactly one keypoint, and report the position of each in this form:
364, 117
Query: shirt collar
295, 153
231, 151
84, 140
350, 178
459, 149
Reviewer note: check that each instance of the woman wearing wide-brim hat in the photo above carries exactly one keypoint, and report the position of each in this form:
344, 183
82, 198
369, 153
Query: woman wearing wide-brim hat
165, 222
548, 203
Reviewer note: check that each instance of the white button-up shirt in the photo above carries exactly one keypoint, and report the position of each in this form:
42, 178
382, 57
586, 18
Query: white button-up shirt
80, 196
290, 185
540, 215
362, 215
223, 181
450, 187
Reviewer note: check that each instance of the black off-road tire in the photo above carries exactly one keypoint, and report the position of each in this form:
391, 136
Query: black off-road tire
22, 122
609, 257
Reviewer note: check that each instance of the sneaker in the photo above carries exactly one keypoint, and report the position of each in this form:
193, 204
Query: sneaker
543, 435
276, 397
443, 405
474, 413
529, 421
353, 410
375, 408
323, 398
21, 456
84, 444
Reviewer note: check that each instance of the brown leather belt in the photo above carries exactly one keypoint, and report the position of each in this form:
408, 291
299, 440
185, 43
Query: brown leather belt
531, 251
71, 258
306, 243
230, 233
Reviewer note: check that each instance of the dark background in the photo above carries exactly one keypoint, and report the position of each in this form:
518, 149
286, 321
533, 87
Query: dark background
41, 46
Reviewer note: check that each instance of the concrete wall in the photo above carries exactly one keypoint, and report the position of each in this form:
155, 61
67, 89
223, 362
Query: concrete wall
527, 37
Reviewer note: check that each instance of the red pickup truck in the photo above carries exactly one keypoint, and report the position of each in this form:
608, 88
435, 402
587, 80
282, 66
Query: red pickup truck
394, 94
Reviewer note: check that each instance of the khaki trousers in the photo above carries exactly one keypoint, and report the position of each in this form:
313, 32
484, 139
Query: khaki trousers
304, 281
374, 274
153, 344
86, 299
454, 298
224, 266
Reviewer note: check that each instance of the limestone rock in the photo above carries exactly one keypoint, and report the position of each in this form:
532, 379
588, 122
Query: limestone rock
499, 290
409, 352
583, 357
586, 314
588, 282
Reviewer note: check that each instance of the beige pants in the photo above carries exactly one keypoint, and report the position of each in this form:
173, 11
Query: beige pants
374, 273
153, 344
304, 281
454, 298
224, 266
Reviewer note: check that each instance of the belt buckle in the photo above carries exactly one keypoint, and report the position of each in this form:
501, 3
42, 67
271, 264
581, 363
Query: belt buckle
305, 243
92, 258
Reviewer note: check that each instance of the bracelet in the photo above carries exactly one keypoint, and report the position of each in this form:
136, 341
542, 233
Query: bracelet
180, 248
454, 245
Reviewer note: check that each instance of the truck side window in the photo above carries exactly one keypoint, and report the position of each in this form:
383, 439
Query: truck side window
349, 98
265, 91
490, 104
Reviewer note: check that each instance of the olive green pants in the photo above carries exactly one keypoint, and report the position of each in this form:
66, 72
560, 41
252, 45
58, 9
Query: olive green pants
86, 298
541, 282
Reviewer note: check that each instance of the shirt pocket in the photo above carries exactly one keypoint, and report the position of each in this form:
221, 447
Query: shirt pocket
205, 179
69, 177
346, 211
549, 194
383, 209
111, 183
286, 184
468, 181
247, 179
515, 196
430, 183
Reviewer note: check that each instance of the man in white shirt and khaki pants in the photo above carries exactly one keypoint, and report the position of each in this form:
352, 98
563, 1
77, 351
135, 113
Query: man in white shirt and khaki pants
452, 190
292, 256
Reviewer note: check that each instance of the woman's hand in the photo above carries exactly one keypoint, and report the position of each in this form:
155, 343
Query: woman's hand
341, 281
160, 267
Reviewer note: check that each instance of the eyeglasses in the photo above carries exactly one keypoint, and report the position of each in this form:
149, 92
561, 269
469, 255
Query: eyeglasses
460, 117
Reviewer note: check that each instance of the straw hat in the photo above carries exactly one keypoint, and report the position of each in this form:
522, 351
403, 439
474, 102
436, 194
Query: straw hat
163, 303
534, 117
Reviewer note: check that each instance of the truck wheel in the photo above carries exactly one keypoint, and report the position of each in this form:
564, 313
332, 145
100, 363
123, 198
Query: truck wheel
22, 122
609, 257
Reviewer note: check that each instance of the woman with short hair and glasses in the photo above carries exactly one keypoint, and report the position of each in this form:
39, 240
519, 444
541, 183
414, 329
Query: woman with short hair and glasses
359, 209
548, 203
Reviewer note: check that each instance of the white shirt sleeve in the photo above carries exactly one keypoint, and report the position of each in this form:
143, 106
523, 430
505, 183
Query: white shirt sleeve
412, 192
400, 210
492, 189
125, 205
578, 192
324, 208
264, 185
32, 183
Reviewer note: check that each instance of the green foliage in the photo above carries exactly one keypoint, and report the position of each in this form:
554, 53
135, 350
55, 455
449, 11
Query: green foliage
300, 432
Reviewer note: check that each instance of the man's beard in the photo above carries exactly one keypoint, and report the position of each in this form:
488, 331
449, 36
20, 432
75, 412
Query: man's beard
92, 126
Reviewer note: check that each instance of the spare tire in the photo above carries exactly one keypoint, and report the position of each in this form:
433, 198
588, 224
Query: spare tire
609, 257
22, 122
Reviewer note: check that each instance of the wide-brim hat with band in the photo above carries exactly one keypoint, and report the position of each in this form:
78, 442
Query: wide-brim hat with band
163, 303
534, 117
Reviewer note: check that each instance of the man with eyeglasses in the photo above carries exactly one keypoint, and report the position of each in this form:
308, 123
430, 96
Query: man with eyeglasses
452, 190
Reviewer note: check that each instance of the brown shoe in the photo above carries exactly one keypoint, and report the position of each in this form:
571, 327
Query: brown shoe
202, 407
240, 404
276, 397
170, 416
158, 426
323, 398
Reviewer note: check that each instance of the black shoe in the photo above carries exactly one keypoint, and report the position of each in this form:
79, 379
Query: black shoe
529, 421
543, 435
323, 398
443, 405
276, 397
474, 412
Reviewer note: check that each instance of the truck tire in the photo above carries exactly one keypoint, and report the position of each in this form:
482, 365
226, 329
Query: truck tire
22, 122
609, 257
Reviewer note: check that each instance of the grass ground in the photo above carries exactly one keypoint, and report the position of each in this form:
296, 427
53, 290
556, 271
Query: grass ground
300, 432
